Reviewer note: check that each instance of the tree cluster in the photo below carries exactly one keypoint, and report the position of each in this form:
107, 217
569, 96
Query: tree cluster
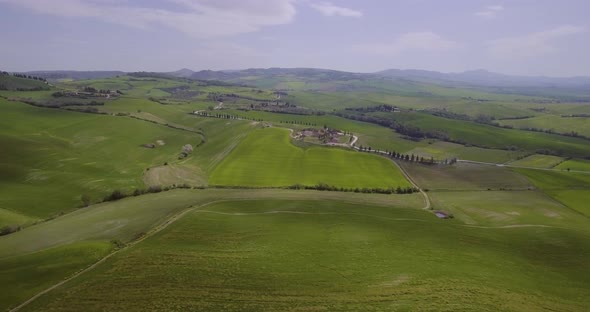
370, 109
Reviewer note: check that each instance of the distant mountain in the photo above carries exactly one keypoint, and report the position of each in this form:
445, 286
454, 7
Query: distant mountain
482, 77
182, 73
76, 75
305, 73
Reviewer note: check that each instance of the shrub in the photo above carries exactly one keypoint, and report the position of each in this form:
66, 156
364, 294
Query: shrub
9, 229
154, 189
115, 195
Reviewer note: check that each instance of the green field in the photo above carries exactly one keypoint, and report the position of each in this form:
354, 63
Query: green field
493, 137
27, 275
570, 188
51, 158
308, 255
235, 238
447, 150
21, 84
575, 164
509, 208
538, 161
556, 123
267, 158
465, 176
82, 237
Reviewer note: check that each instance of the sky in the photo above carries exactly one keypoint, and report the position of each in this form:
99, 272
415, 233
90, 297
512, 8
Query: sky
522, 37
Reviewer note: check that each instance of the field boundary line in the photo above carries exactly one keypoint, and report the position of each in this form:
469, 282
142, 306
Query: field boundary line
151, 233
271, 212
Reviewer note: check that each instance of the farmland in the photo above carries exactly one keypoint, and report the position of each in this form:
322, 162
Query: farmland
329, 255
581, 165
104, 203
52, 158
250, 165
538, 161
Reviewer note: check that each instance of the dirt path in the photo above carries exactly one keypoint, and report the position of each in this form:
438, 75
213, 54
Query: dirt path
354, 139
427, 204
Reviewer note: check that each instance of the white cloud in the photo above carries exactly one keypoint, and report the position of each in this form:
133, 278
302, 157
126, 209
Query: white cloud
329, 9
416, 41
534, 44
490, 11
199, 18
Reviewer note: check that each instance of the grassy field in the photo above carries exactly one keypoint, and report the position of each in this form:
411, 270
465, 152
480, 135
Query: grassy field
267, 158
22, 277
126, 219
465, 176
309, 255
369, 134
575, 164
16, 83
509, 208
80, 238
518, 239
558, 124
538, 161
447, 150
493, 137
570, 188
53, 157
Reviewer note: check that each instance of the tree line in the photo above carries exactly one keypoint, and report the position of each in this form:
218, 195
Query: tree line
17, 75
374, 190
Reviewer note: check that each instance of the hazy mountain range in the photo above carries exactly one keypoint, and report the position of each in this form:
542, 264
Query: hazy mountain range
474, 77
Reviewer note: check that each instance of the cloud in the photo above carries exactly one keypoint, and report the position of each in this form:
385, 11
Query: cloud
490, 11
328, 9
416, 41
534, 44
199, 18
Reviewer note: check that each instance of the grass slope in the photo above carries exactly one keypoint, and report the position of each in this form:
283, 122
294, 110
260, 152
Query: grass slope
127, 218
15, 83
52, 157
246, 256
49, 252
559, 124
570, 188
23, 277
493, 137
267, 158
